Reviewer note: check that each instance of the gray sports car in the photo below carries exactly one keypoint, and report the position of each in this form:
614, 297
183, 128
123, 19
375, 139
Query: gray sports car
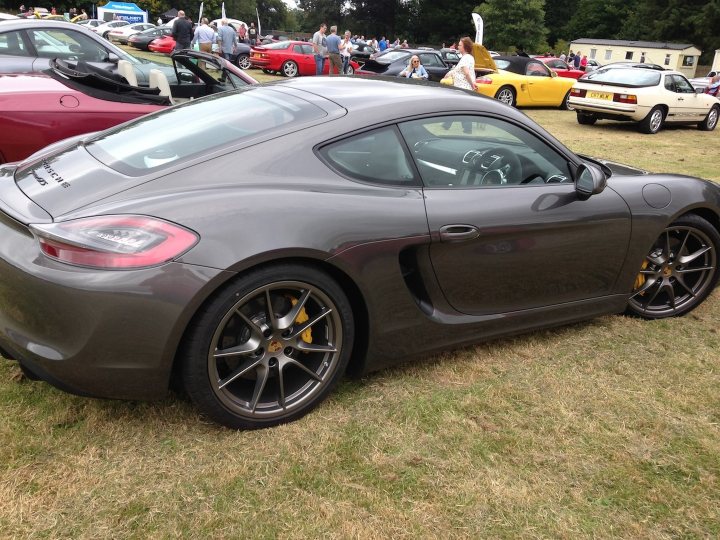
258, 244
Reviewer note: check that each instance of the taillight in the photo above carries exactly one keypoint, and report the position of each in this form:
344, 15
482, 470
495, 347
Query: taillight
114, 242
625, 98
483, 80
577, 92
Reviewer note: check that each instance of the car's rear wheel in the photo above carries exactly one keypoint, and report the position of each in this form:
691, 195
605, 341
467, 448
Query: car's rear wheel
289, 68
506, 94
350, 70
269, 348
243, 61
565, 106
652, 123
711, 119
586, 119
679, 272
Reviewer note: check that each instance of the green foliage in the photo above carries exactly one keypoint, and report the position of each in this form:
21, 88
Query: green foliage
514, 23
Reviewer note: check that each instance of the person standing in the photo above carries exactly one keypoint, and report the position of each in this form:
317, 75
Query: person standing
382, 44
252, 34
583, 63
333, 47
346, 49
463, 74
319, 43
204, 37
576, 60
228, 39
242, 33
182, 32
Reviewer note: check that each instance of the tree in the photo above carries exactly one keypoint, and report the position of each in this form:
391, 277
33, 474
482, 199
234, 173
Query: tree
603, 19
514, 23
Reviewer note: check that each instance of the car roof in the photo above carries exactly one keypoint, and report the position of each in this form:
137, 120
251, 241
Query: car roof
518, 64
412, 98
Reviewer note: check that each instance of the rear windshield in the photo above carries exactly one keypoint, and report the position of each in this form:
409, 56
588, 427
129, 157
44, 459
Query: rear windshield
198, 127
276, 45
623, 77
390, 57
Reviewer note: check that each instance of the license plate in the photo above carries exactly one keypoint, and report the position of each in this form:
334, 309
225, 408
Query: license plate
600, 95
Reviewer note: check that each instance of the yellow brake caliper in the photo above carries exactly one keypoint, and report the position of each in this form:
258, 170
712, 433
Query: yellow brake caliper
640, 279
302, 317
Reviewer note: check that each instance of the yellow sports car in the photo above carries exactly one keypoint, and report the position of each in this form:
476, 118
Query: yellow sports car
522, 81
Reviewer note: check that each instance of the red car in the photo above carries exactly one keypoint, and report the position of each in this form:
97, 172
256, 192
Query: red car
290, 58
165, 45
72, 99
561, 67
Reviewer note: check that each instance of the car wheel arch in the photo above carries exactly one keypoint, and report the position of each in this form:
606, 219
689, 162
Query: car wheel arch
356, 366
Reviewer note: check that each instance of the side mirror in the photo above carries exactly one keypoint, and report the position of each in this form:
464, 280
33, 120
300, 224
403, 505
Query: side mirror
589, 180
113, 58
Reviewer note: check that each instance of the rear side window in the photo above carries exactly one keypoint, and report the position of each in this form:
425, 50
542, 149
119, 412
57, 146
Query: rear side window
12, 44
199, 127
378, 157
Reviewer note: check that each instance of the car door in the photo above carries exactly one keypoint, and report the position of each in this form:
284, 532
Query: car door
540, 83
508, 229
691, 106
434, 65
668, 96
303, 55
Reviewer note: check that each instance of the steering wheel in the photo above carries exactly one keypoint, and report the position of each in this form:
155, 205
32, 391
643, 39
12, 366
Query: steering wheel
496, 166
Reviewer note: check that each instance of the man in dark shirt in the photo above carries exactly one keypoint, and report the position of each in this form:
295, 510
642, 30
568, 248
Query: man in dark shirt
182, 32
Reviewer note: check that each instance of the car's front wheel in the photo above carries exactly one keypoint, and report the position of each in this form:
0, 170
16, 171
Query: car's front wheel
711, 119
586, 119
679, 271
652, 123
269, 348
506, 94
289, 68
564, 105
243, 61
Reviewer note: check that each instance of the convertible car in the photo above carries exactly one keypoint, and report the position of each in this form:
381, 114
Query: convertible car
357, 234
524, 82
73, 98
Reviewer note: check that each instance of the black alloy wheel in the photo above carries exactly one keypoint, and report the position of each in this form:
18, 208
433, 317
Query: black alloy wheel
679, 272
269, 348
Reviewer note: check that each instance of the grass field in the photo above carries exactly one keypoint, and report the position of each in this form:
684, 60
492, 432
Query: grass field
606, 429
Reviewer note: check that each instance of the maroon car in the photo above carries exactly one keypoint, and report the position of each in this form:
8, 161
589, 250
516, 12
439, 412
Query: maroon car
72, 99
561, 67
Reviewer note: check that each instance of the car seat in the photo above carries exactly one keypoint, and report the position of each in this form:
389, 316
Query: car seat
159, 80
126, 70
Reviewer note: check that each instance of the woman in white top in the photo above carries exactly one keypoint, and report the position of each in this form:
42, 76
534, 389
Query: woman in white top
346, 49
463, 74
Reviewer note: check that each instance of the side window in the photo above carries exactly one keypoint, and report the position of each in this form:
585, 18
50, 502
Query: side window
557, 64
682, 86
378, 157
298, 49
65, 44
11, 43
431, 60
481, 152
307, 49
535, 69
669, 84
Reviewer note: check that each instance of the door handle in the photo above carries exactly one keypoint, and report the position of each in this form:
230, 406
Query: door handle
681, 99
458, 233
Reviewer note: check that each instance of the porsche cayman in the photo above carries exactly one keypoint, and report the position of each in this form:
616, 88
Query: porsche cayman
357, 234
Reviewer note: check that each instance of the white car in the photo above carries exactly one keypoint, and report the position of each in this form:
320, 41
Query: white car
122, 33
647, 96
701, 83
105, 28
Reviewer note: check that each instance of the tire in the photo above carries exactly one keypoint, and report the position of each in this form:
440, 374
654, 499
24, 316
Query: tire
289, 69
506, 94
245, 371
652, 123
586, 119
243, 61
564, 105
106, 34
711, 120
679, 271
350, 71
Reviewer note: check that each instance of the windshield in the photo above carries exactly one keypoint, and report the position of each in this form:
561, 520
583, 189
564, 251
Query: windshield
623, 77
198, 127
